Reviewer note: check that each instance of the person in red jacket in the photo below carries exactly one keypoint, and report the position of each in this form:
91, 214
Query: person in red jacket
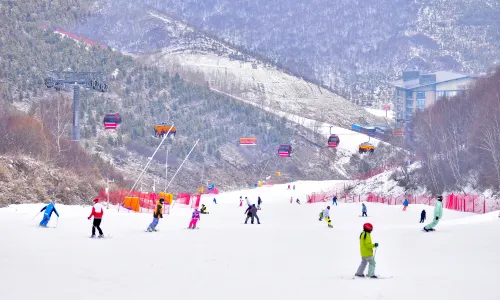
97, 212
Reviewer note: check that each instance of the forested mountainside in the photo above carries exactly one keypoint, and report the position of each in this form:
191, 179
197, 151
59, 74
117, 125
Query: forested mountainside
353, 46
458, 140
144, 96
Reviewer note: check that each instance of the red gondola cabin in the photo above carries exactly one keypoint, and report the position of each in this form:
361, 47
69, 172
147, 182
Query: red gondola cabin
285, 150
112, 121
333, 141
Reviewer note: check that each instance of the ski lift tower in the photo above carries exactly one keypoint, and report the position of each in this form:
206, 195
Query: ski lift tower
63, 80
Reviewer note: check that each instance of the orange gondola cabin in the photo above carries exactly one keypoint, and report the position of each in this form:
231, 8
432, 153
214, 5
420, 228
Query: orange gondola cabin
248, 141
333, 141
285, 150
112, 121
162, 129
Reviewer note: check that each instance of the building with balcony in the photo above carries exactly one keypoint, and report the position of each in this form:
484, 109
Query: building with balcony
415, 92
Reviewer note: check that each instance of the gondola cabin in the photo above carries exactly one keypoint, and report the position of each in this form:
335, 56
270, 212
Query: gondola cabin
248, 141
112, 121
285, 150
162, 129
366, 147
333, 141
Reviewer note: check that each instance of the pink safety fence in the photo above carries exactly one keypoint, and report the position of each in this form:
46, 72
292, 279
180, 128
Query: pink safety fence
458, 202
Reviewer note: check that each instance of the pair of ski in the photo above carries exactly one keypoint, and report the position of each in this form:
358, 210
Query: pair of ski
357, 277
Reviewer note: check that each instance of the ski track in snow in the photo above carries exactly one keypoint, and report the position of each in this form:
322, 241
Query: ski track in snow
291, 255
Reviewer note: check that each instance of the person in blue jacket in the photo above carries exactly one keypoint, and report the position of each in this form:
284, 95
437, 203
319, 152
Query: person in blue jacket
49, 209
364, 210
334, 200
405, 204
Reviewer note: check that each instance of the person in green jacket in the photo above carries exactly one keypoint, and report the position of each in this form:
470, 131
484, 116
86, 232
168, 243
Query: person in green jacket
438, 213
366, 247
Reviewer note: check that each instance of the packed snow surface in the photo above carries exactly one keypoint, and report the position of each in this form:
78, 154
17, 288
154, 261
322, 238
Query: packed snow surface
291, 255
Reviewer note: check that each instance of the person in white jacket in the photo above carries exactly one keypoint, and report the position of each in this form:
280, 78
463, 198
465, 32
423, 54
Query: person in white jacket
326, 215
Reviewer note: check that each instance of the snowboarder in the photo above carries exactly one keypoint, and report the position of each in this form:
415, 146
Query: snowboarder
298, 201
364, 210
334, 200
49, 209
405, 204
259, 202
203, 210
97, 212
157, 215
438, 213
195, 217
241, 201
248, 212
254, 214
422, 216
294, 187
366, 249
215, 201
326, 215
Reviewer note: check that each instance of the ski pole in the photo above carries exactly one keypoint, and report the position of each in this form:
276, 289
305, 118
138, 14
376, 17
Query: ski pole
36, 215
57, 222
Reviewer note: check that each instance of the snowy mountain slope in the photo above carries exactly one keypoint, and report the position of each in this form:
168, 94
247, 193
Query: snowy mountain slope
291, 255
265, 85
164, 41
355, 46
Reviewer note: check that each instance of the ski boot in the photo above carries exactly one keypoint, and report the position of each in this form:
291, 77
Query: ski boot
149, 229
92, 236
101, 236
426, 230
330, 226
374, 276
358, 275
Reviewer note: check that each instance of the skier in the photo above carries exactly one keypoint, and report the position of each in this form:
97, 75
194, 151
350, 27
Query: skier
97, 212
438, 213
288, 186
215, 201
326, 215
405, 204
247, 201
321, 216
298, 202
49, 209
422, 216
364, 210
259, 202
203, 210
291, 199
366, 248
254, 214
241, 201
194, 219
248, 212
294, 187
157, 215
334, 200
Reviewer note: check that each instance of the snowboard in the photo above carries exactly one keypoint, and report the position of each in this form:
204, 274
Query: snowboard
193, 228
432, 229
363, 216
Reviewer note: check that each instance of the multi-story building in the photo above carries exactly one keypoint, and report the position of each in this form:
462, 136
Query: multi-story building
415, 92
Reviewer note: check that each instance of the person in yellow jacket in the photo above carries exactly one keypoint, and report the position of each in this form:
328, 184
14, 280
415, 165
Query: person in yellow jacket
156, 215
366, 248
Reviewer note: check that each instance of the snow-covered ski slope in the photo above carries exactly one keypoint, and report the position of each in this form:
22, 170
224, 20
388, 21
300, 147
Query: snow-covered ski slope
291, 255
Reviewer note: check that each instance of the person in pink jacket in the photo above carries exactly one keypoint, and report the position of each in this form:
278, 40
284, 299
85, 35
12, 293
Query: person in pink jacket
194, 219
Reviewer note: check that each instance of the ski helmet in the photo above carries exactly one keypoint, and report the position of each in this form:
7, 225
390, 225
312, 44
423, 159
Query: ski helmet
368, 227
440, 198
162, 200
328, 207
96, 200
